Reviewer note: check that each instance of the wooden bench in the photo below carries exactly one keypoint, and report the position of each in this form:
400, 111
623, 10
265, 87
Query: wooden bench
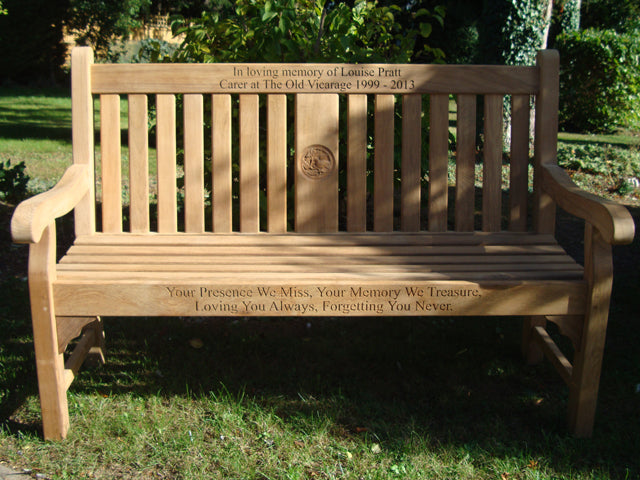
369, 228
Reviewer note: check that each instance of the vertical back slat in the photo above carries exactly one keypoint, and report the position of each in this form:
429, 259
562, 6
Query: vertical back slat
411, 163
546, 141
519, 181
465, 163
492, 171
138, 164
166, 148
357, 163
82, 134
249, 165
316, 177
111, 163
383, 164
438, 162
221, 158
193, 164
277, 163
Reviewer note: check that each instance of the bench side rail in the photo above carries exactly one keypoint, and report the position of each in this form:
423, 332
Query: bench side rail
317, 148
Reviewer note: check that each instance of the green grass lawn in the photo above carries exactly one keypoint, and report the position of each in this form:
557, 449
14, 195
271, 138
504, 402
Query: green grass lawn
287, 398
35, 127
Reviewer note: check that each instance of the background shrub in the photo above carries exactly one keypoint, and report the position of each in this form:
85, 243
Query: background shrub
619, 15
599, 80
13, 182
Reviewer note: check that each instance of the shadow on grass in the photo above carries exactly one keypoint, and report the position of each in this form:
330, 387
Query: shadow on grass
37, 132
453, 382
35, 113
603, 140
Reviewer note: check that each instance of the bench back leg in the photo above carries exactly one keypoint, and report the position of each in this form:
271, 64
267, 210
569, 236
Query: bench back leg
49, 362
585, 380
530, 350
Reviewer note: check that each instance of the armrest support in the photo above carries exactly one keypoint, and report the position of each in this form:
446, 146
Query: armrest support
612, 220
32, 216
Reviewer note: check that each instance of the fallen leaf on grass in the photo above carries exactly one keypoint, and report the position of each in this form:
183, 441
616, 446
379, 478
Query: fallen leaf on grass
375, 449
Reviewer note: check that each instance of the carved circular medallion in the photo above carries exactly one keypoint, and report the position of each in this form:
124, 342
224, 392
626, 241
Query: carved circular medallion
317, 162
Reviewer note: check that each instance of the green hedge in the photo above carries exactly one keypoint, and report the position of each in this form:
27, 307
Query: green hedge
599, 80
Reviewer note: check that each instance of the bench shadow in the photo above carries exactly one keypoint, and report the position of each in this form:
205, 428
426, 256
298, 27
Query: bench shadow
454, 381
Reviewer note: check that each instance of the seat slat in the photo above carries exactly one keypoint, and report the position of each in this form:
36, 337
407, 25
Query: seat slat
138, 164
492, 171
221, 158
311, 260
193, 163
511, 269
238, 239
253, 278
357, 164
383, 164
465, 163
438, 161
411, 163
111, 163
322, 250
166, 148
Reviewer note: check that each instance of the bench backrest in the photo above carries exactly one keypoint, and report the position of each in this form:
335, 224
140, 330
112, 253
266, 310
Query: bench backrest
361, 147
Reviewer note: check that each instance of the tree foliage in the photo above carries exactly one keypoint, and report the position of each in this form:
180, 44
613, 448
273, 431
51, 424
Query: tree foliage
99, 23
569, 15
619, 15
31, 40
304, 31
512, 31
599, 81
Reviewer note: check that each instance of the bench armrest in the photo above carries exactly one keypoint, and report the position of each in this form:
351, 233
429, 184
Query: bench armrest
612, 220
32, 216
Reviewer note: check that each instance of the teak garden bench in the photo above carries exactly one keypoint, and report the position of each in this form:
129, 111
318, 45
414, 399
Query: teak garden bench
353, 238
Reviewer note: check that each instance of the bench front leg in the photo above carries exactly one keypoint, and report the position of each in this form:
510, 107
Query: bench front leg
52, 384
587, 363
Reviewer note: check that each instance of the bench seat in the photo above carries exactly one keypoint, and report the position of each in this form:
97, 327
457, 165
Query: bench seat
318, 274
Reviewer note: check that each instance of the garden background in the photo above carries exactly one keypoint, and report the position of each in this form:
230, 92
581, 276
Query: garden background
332, 398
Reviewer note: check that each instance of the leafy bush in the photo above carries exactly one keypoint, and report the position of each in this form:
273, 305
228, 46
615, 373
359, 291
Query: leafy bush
303, 31
13, 181
599, 80
621, 166
152, 50
619, 15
